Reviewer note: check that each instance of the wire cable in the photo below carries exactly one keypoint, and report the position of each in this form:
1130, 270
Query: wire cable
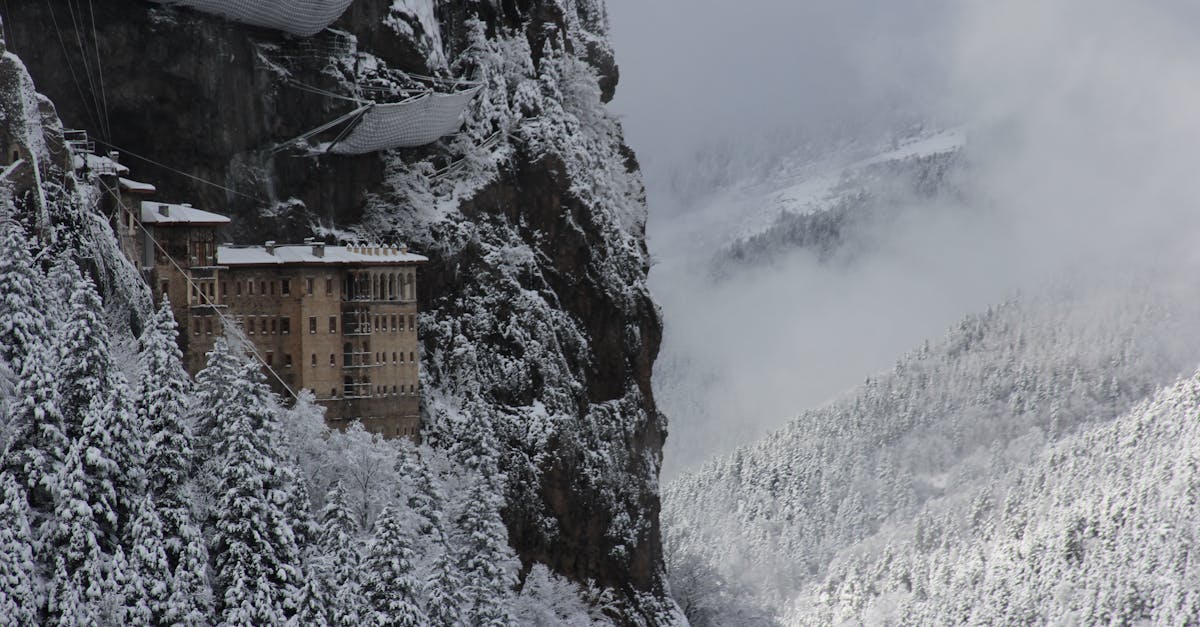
225, 320
179, 172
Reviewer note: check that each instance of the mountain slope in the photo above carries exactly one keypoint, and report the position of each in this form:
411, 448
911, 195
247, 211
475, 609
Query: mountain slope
773, 516
539, 333
1098, 528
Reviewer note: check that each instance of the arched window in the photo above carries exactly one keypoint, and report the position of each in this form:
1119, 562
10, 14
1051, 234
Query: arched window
314, 360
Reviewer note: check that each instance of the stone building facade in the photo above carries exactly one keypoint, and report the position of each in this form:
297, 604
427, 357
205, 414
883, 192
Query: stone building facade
340, 321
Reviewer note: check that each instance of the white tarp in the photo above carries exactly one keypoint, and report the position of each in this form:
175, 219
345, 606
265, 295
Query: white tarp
298, 17
414, 122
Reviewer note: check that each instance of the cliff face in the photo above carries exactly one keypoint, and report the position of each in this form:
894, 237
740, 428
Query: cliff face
539, 334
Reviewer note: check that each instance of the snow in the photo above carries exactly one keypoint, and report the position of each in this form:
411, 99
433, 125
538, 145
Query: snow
136, 187
99, 164
949, 140
162, 213
304, 253
422, 11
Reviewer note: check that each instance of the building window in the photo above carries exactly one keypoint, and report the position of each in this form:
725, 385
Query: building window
250, 324
333, 393
328, 287
270, 358
314, 361
333, 324
394, 357
238, 289
308, 286
224, 290
412, 322
393, 390
285, 325
285, 287
262, 324
287, 360
165, 286
196, 327
207, 325
332, 360
250, 288
412, 357
262, 288
274, 325
312, 324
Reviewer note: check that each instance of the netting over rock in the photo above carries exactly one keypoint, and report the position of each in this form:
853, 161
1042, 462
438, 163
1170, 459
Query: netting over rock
298, 17
413, 122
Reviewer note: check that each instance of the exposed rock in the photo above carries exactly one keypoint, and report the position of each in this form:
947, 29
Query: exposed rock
554, 348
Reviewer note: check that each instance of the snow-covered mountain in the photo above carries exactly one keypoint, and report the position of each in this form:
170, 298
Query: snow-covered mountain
802, 517
830, 256
538, 332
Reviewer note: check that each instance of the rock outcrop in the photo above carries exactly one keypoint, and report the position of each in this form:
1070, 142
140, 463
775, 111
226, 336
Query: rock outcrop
539, 333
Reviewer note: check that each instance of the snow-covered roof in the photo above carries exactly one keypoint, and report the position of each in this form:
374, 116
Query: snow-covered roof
315, 254
163, 213
136, 187
99, 164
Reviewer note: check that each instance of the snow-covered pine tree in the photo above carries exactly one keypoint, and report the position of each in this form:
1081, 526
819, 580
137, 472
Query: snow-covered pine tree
83, 518
445, 602
484, 558
84, 366
161, 404
19, 596
340, 560
37, 442
256, 559
148, 577
32, 437
22, 320
162, 408
391, 585
67, 607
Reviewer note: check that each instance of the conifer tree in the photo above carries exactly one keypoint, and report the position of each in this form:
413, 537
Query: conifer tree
37, 442
19, 599
162, 408
83, 518
255, 554
161, 403
391, 587
190, 603
149, 577
67, 607
22, 319
84, 365
484, 559
445, 601
340, 560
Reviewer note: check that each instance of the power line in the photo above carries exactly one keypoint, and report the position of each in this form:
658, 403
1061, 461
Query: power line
225, 320
179, 172
71, 66
100, 70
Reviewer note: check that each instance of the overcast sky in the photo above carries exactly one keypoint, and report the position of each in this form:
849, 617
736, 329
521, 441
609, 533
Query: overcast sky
700, 70
1084, 120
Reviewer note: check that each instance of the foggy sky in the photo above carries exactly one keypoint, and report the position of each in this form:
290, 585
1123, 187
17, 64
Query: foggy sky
1084, 131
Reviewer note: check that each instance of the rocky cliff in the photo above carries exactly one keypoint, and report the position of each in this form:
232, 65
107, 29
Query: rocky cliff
539, 333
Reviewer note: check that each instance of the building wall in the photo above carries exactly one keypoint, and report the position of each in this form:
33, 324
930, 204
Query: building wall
301, 320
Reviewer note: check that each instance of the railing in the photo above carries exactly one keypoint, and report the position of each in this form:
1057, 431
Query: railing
357, 361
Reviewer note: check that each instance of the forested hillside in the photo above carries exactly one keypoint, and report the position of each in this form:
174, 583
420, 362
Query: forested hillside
534, 498
820, 498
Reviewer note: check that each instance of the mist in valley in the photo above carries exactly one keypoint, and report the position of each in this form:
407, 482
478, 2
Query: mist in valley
1079, 133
